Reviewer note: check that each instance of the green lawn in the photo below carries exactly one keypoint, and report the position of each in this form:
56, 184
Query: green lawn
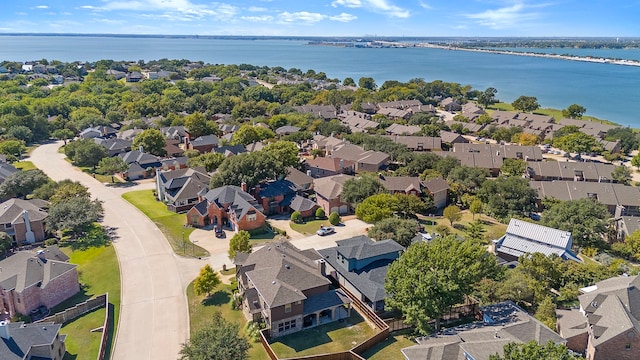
201, 310
24, 165
170, 223
309, 227
99, 273
389, 349
333, 337
557, 114
494, 229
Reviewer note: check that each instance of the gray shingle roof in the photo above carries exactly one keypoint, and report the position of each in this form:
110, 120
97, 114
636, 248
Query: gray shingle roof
24, 269
26, 336
362, 247
301, 204
12, 209
241, 202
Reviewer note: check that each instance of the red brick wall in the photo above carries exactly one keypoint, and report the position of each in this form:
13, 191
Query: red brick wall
60, 288
36, 226
259, 222
616, 348
578, 343
316, 290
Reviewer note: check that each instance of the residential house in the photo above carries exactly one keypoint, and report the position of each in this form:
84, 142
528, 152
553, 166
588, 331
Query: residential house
491, 156
228, 128
570, 171
360, 265
287, 289
275, 196
607, 325
230, 150
181, 189
227, 206
467, 127
114, 146
438, 189
409, 185
357, 121
134, 76
172, 148
141, 164
523, 237
326, 112
449, 104
327, 143
328, 190
302, 181
418, 143
286, 130
395, 114
256, 146
501, 324
329, 166
117, 75
6, 170
174, 163
129, 134
472, 111
450, 138
595, 129
203, 144
369, 160
98, 132
305, 206
175, 132
400, 104
42, 341
24, 220
29, 280
619, 199
626, 225
399, 129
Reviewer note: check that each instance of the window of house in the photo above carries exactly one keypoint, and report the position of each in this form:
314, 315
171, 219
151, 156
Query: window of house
8, 226
287, 308
252, 217
299, 302
286, 325
628, 346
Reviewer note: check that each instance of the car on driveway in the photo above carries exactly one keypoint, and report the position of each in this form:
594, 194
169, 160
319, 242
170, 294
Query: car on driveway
219, 233
325, 230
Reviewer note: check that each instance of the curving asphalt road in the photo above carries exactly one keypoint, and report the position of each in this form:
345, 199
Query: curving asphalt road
153, 310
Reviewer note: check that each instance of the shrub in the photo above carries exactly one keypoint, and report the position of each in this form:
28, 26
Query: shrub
334, 218
258, 231
589, 251
296, 217
320, 213
50, 242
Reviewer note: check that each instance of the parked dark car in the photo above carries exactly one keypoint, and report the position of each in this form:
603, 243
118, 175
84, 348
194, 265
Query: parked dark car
219, 233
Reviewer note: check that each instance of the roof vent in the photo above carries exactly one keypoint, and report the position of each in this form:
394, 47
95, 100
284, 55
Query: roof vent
273, 282
287, 266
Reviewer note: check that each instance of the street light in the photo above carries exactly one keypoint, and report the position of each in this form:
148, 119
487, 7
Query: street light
184, 243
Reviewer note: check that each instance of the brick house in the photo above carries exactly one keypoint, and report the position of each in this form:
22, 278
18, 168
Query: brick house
287, 288
20, 341
23, 220
328, 191
275, 196
227, 206
181, 189
438, 189
29, 280
203, 144
607, 324
409, 185
326, 166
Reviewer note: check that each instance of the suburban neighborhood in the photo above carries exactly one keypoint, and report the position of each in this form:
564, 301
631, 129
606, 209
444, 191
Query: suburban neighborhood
307, 217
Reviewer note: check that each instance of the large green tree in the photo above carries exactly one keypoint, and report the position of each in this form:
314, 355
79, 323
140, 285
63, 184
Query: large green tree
577, 142
355, 190
508, 196
111, 166
574, 111
250, 168
533, 350
239, 243
219, 339
525, 103
248, 134
12, 148
513, 167
429, 278
377, 207
284, 152
210, 161
74, 215
206, 281
400, 230
586, 219
22, 183
85, 152
487, 97
152, 141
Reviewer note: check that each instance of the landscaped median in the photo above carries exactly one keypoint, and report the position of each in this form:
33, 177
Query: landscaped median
171, 224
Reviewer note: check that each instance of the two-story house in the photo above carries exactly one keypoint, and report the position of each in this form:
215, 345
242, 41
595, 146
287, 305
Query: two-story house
42, 341
287, 288
24, 220
360, 265
181, 189
227, 206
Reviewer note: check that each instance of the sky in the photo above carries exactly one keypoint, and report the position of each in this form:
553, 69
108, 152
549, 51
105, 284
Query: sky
359, 18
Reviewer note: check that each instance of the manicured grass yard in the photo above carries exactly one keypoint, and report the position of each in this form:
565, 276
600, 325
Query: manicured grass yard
389, 349
99, 273
201, 311
556, 113
170, 223
332, 337
494, 229
309, 227
24, 165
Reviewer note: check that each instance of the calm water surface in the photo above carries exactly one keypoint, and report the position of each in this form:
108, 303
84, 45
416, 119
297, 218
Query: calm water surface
607, 91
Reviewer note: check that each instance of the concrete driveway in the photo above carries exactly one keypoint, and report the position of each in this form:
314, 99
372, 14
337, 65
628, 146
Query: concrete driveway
153, 311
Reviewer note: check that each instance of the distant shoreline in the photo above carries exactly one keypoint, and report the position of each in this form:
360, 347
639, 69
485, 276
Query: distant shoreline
590, 59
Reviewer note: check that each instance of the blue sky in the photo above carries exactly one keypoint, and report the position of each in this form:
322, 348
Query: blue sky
325, 17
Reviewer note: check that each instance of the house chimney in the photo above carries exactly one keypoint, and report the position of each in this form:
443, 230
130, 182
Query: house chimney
41, 256
4, 330
243, 186
309, 173
141, 148
322, 266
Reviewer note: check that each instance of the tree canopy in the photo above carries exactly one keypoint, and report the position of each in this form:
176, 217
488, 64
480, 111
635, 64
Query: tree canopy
533, 350
219, 339
206, 281
429, 278
586, 219
508, 196
151, 141
400, 230
355, 190
526, 103
22, 183
239, 243
377, 207
250, 168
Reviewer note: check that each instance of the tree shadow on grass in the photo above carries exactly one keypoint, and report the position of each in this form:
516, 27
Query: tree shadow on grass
459, 227
218, 298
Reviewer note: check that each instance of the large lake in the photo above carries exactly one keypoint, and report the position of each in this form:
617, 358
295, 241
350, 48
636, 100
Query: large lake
607, 91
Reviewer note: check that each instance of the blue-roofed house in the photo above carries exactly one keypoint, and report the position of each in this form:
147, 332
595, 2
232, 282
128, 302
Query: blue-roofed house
526, 238
360, 265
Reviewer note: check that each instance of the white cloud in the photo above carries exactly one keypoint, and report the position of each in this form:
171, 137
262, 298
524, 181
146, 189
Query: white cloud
377, 6
301, 16
42, 7
347, 3
174, 10
505, 17
344, 17
424, 5
257, 9
264, 18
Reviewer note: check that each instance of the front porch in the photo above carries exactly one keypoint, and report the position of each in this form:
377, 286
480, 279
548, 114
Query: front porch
325, 308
